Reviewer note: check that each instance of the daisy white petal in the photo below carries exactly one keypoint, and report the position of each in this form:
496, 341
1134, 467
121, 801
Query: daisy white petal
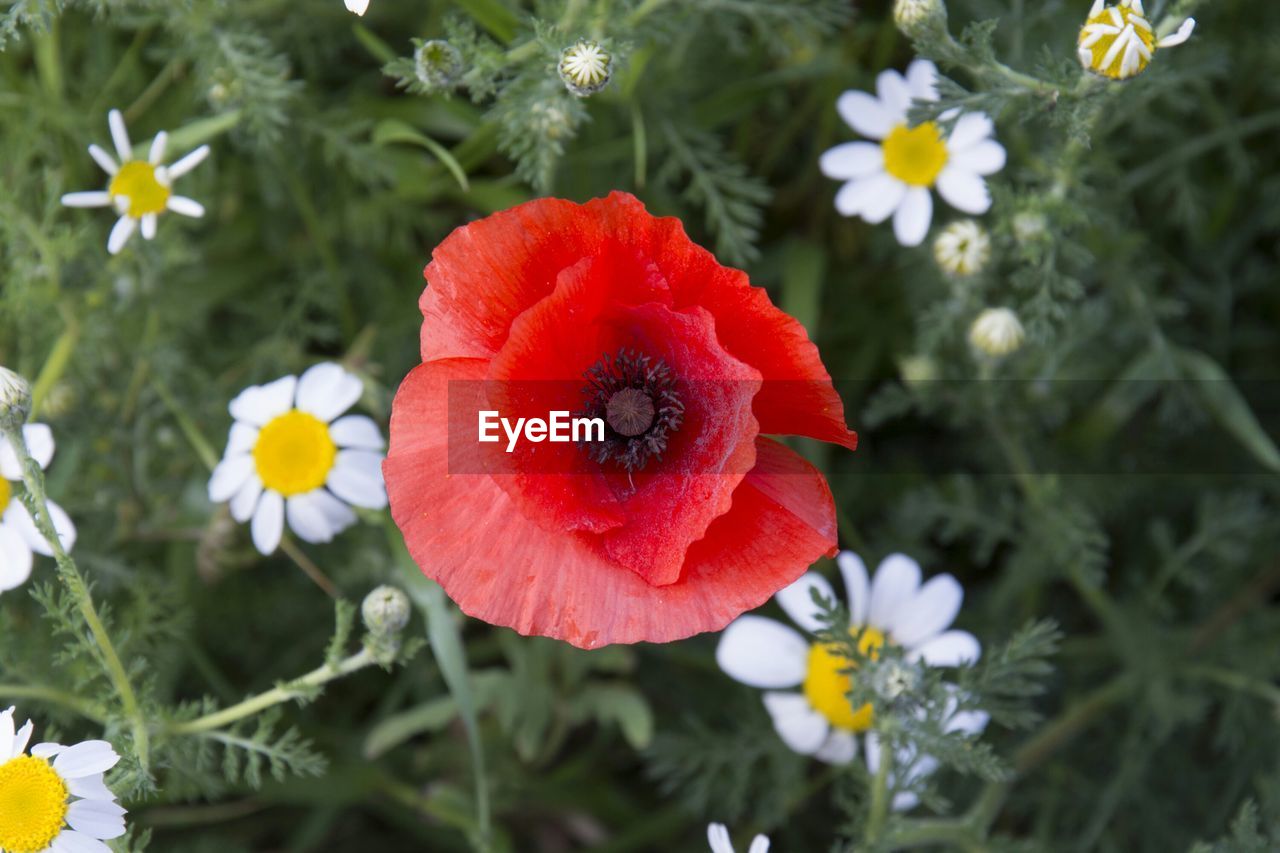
759, 844
922, 78
229, 476
851, 160
268, 522
883, 195
7, 734
964, 190
930, 613
840, 747
120, 136
184, 206
895, 94
969, 130
258, 404
894, 585
357, 431
718, 838
357, 479
39, 440
802, 729
189, 162
865, 114
158, 146
149, 226
97, 818
245, 500
1184, 32
70, 841
969, 722
856, 585
359, 7
47, 750
103, 159
912, 218
16, 560
241, 438
950, 648
326, 390
120, 234
91, 787
21, 520
96, 198
985, 158
85, 759
762, 653
851, 197
307, 519
340, 515
797, 600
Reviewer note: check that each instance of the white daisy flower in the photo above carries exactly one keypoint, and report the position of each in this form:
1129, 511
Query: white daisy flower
1118, 41
19, 537
892, 177
287, 457
718, 838
963, 248
55, 806
909, 765
357, 6
819, 720
139, 190
996, 332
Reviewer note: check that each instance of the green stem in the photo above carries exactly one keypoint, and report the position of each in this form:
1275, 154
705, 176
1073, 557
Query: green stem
53, 696
55, 365
275, 696
38, 504
879, 811
1236, 681
644, 10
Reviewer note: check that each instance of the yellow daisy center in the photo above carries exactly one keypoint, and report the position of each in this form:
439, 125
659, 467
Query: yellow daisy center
1102, 59
294, 453
915, 155
136, 181
33, 804
828, 682
6, 494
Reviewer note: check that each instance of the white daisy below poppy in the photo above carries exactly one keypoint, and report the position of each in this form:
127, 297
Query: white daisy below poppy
139, 190
909, 765
894, 609
55, 799
718, 838
359, 7
289, 456
894, 175
19, 537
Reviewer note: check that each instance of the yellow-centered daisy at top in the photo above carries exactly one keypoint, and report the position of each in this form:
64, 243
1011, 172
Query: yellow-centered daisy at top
1118, 41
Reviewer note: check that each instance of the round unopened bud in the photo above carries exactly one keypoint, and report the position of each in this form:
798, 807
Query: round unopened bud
1029, 226
385, 611
915, 17
963, 248
15, 400
996, 332
893, 678
437, 64
585, 68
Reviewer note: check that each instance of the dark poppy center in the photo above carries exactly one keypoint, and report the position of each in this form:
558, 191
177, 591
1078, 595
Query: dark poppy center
637, 397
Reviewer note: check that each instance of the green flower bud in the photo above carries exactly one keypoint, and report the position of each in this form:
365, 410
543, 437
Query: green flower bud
585, 68
916, 17
385, 611
15, 400
437, 64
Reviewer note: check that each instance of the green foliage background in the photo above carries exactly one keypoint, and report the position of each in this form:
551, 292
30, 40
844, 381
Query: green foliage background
1135, 232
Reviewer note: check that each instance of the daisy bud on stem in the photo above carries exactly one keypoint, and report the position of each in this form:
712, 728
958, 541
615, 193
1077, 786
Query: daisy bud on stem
15, 400
385, 612
437, 64
996, 332
963, 248
585, 68
917, 17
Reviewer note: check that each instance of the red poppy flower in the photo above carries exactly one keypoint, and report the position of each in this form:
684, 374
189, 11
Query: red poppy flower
684, 515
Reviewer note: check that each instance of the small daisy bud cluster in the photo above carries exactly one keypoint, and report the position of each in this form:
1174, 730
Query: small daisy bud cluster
996, 332
15, 400
437, 64
916, 17
1117, 42
585, 68
963, 248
